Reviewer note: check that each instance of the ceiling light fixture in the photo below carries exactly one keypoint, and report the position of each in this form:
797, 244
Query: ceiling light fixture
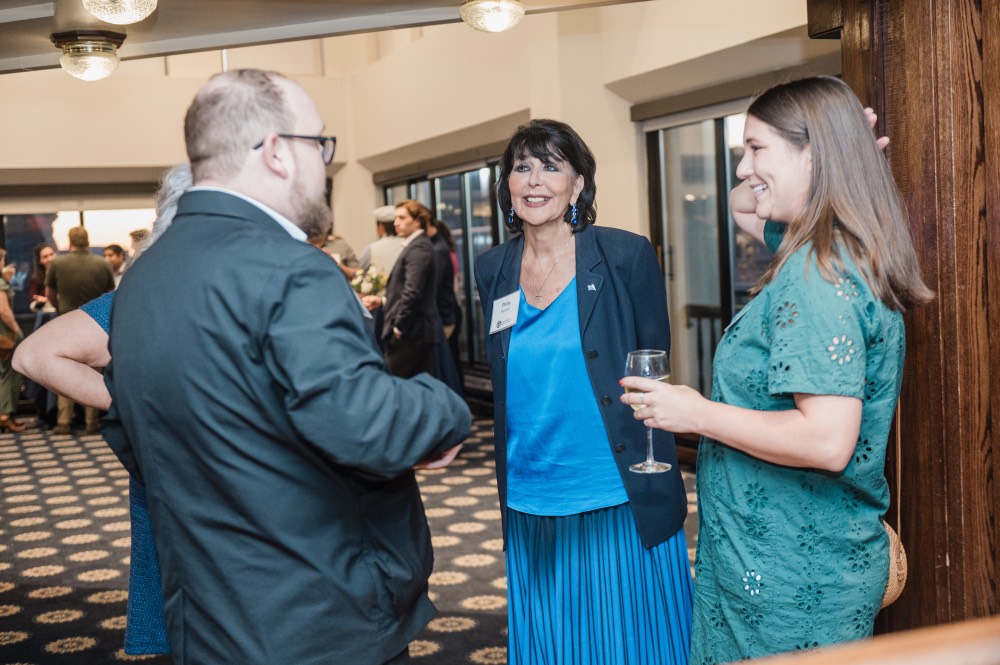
120, 12
492, 15
89, 55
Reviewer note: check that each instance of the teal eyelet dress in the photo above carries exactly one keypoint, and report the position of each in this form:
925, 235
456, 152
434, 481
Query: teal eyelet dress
788, 558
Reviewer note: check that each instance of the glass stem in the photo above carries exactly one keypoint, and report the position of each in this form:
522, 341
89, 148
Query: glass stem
649, 446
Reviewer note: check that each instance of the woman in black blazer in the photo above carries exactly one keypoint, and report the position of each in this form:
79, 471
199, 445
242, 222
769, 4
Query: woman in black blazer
597, 563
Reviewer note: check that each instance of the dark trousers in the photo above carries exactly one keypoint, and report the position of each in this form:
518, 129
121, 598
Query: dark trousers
407, 358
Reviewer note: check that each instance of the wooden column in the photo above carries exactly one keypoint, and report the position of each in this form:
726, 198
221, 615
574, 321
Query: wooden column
932, 70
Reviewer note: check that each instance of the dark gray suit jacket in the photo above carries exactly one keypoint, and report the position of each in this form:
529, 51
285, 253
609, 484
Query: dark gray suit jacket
276, 450
622, 307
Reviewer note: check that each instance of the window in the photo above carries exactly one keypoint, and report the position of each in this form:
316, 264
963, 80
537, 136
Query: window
709, 263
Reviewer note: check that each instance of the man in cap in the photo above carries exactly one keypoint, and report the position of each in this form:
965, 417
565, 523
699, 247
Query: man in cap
382, 253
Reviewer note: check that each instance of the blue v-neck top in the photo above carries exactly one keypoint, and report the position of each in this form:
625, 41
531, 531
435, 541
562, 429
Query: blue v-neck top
559, 460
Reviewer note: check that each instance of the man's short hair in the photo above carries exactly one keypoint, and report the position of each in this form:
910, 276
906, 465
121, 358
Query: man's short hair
79, 238
231, 114
138, 235
117, 249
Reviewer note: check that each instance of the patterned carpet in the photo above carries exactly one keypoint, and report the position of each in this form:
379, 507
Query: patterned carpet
64, 553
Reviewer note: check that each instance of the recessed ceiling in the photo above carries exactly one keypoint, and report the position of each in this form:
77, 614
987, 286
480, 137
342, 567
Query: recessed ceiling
183, 26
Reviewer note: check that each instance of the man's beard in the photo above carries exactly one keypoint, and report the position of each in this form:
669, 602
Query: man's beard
311, 215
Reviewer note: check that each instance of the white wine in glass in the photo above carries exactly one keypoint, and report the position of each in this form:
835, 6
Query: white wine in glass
649, 364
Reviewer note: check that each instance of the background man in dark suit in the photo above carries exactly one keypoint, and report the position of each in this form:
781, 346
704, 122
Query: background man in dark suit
412, 325
251, 399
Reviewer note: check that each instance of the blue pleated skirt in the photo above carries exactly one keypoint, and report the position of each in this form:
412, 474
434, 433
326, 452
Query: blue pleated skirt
582, 590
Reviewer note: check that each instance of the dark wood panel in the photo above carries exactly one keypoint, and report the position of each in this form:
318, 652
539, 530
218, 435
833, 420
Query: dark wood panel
931, 70
990, 92
825, 18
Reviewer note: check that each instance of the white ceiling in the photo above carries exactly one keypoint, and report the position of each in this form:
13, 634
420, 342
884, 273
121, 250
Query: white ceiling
182, 26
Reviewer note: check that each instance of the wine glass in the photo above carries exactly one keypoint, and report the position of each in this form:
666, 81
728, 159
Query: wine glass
649, 364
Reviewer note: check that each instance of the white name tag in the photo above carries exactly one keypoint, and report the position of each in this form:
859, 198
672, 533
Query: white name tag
504, 312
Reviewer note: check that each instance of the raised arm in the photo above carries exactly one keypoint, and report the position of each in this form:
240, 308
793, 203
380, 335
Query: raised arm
743, 204
62, 356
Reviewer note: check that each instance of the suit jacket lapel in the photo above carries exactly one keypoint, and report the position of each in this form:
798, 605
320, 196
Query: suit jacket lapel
588, 282
508, 281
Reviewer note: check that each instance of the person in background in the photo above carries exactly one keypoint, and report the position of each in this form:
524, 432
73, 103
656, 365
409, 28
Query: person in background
138, 239
445, 364
10, 380
453, 332
44, 252
447, 304
380, 256
115, 256
382, 253
226, 385
792, 552
597, 561
66, 357
341, 252
411, 327
45, 402
72, 280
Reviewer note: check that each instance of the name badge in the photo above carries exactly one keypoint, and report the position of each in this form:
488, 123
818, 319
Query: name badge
504, 312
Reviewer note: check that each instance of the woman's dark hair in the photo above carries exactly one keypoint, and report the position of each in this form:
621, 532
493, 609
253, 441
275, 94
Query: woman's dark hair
38, 276
545, 139
445, 232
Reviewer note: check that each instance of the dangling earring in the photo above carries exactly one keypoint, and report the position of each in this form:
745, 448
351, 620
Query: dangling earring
573, 220
510, 217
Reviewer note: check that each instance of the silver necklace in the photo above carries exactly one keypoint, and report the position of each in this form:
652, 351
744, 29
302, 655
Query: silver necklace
538, 291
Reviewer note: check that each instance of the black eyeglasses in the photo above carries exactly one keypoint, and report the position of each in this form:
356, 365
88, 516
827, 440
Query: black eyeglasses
327, 144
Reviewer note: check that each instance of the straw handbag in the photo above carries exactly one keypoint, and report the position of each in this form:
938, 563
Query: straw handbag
897, 555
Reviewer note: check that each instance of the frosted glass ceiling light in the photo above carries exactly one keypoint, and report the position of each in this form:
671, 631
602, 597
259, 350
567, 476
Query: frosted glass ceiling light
89, 55
120, 12
492, 15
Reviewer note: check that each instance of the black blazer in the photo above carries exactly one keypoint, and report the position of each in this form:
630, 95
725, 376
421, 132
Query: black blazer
444, 280
276, 449
622, 307
411, 294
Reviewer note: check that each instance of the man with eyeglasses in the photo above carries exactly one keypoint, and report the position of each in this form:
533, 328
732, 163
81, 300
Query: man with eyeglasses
251, 399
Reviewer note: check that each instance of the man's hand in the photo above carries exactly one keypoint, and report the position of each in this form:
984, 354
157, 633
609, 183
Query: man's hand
444, 460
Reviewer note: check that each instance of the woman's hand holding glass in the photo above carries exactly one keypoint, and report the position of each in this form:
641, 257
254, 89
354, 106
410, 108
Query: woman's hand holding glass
655, 365
663, 405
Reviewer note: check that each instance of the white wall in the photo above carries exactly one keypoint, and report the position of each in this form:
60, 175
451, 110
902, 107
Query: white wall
379, 93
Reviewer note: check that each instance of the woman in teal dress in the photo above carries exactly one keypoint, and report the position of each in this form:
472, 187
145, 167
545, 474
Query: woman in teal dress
792, 553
